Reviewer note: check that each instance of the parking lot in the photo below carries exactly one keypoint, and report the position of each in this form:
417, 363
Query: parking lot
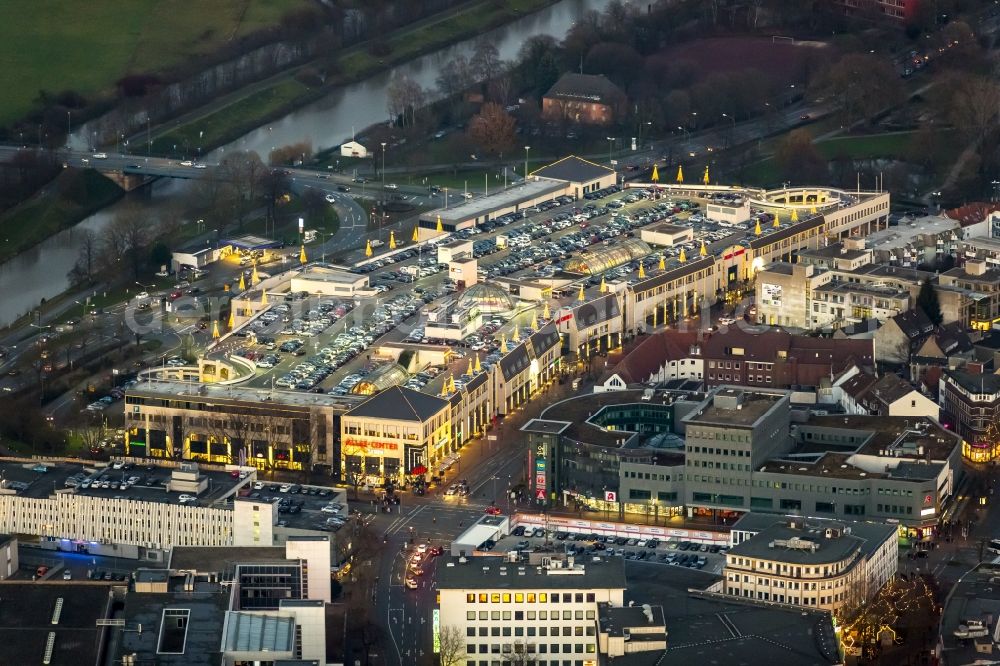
303, 506
669, 552
321, 344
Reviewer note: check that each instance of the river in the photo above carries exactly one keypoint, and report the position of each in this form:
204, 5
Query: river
40, 273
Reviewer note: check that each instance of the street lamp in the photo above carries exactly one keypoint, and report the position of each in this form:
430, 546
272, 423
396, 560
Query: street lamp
383, 168
526, 149
611, 143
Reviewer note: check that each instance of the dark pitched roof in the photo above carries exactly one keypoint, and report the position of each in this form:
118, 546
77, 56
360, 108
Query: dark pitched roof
649, 355
674, 270
596, 311
890, 388
858, 385
588, 87
975, 383
952, 339
574, 169
515, 361
757, 345
400, 402
914, 323
544, 339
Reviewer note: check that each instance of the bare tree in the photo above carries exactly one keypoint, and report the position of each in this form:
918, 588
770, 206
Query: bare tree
291, 153
273, 185
241, 171
864, 84
455, 77
485, 61
403, 97
500, 87
452, 646
125, 238
83, 270
492, 129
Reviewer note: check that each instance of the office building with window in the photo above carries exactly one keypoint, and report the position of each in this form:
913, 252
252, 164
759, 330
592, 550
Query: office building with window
736, 450
822, 564
233, 424
545, 610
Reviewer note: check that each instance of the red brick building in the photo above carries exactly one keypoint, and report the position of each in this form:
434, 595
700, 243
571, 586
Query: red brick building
587, 99
778, 359
897, 10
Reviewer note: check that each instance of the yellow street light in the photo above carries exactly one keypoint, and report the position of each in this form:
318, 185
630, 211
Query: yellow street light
663, 262
642, 272
656, 175
680, 173
243, 284
392, 240
705, 179
302, 255
683, 256
704, 250
215, 329
368, 249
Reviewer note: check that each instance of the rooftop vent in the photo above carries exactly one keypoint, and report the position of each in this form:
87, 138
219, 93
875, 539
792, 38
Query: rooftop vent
57, 611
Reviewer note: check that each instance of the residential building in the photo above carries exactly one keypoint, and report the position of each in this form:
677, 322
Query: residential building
546, 608
983, 279
901, 335
663, 356
785, 294
775, 358
586, 99
808, 562
971, 404
888, 395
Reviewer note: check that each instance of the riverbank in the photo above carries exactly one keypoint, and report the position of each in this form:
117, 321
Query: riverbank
283, 95
70, 198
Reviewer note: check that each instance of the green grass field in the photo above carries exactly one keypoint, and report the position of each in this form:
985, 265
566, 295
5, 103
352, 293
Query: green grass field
237, 118
406, 44
87, 46
42, 216
895, 145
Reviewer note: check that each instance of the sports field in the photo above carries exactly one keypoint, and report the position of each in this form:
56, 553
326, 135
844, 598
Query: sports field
87, 46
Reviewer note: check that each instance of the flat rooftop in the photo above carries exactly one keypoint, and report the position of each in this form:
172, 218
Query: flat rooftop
26, 611
480, 206
976, 596
578, 410
239, 393
734, 406
152, 485
207, 559
714, 630
27, 479
766, 544
909, 231
903, 438
333, 275
496, 574
196, 644
834, 251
